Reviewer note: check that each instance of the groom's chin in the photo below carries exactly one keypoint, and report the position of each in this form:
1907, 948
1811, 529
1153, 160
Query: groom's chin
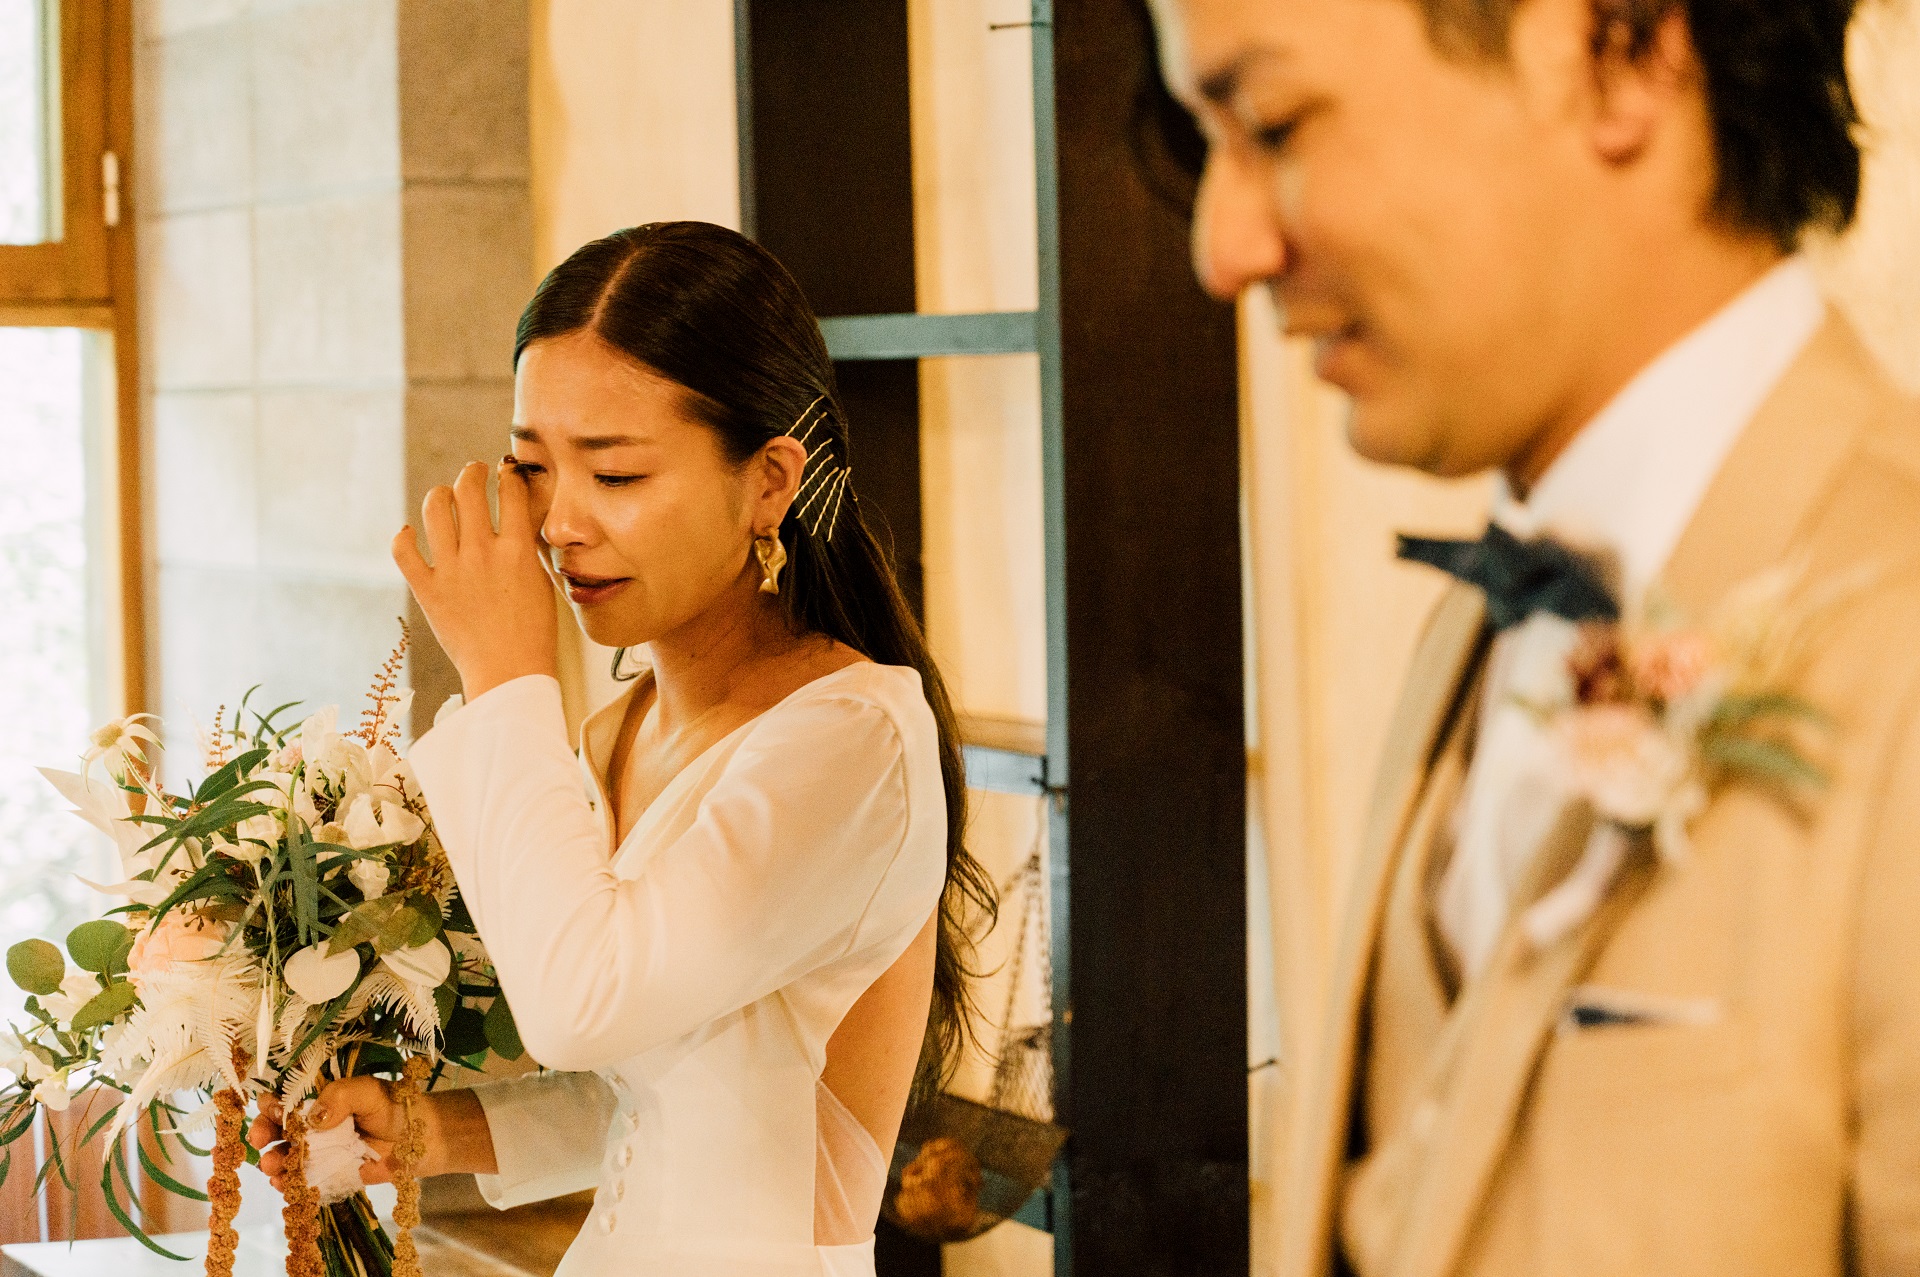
1393, 433
1418, 438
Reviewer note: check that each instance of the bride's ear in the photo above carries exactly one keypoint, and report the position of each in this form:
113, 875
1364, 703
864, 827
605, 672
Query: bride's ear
774, 479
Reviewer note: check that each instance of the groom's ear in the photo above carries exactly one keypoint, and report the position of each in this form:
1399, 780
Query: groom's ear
1644, 70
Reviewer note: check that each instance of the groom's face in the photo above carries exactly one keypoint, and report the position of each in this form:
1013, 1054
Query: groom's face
1419, 216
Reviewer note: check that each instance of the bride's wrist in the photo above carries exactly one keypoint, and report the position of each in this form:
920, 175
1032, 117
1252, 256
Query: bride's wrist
457, 1137
481, 681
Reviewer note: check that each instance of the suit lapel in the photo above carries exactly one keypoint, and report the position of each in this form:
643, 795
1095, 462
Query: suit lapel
1764, 495
1442, 666
1480, 1076
1783, 465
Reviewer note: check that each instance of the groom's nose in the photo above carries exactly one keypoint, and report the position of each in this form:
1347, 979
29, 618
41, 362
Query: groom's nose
1237, 237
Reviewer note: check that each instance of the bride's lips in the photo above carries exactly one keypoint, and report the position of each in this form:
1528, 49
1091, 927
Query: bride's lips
587, 590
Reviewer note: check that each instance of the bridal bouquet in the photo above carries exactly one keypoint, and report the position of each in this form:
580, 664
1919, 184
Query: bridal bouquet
290, 919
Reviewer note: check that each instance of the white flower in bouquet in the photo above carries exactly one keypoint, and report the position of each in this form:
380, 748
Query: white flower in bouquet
424, 966
52, 1094
15, 1059
121, 743
318, 976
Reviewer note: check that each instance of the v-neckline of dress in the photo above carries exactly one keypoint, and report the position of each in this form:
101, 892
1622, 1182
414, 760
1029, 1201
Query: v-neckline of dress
650, 815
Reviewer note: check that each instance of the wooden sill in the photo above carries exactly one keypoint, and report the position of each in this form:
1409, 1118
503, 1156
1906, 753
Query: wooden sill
527, 1241
1015, 735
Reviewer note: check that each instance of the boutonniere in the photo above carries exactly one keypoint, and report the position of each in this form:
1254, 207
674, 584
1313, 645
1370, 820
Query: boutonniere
1650, 717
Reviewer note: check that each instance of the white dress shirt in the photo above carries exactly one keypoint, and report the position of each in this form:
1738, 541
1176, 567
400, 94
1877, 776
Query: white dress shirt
1627, 485
691, 976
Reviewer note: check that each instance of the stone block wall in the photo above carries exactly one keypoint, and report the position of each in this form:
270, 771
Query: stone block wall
335, 242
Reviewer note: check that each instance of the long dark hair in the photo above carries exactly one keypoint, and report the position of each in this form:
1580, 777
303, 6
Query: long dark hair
716, 314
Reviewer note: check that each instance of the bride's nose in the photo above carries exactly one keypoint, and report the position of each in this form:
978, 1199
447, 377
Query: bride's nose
564, 522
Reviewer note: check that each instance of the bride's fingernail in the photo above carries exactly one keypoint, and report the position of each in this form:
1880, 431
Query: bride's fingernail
317, 1115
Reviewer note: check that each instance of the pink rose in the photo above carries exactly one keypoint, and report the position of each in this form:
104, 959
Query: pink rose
1621, 761
178, 937
1673, 664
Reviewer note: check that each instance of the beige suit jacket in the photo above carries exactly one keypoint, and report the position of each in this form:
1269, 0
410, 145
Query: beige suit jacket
1781, 1132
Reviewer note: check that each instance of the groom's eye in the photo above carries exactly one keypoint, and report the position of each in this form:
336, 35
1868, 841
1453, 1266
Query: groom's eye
1273, 138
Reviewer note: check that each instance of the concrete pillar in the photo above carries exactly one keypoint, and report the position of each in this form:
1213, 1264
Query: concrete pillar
336, 239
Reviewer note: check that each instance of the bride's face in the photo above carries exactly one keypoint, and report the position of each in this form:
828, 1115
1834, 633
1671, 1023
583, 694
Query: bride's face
646, 521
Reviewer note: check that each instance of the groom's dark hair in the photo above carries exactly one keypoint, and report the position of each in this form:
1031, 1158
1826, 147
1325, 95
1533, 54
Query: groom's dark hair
1776, 86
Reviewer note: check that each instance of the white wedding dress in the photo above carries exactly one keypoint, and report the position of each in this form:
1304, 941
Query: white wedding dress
691, 978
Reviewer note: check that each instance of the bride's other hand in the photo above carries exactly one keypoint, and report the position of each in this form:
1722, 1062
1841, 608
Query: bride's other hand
486, 593
457, 1138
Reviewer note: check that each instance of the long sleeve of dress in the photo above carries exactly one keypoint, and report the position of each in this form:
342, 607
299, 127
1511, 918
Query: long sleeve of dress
549, 1134
773, 877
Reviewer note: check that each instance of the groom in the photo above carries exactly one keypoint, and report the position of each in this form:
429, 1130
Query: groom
1558, 239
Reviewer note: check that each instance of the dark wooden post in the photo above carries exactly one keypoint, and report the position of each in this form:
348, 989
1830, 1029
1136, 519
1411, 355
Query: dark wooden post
1145, 734
1154, 1084
826, 169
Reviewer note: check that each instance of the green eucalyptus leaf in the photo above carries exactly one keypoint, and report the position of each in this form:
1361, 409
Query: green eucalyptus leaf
105, 1007
425, 917
445, 1000
99, 946
465, 1033
369, 921
502, 1034
36, 966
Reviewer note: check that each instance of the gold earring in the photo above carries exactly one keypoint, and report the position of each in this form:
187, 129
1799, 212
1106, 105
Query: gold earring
773, 556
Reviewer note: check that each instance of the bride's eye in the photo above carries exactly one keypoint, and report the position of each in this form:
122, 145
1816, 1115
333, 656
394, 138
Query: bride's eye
617, 480
529, 469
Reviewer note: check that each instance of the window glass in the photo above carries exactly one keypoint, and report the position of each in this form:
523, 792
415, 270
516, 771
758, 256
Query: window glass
46, 643
28, 128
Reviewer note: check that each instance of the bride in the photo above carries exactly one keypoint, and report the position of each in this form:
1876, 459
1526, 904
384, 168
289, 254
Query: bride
743, 938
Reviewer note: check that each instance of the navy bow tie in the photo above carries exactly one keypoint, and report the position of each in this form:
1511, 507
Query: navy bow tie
1521, 577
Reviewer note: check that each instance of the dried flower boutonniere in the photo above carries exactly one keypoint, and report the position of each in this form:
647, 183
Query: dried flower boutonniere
1649, 718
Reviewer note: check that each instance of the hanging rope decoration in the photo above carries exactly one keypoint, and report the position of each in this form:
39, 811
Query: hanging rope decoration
300, 1216
826, 477
223, 1189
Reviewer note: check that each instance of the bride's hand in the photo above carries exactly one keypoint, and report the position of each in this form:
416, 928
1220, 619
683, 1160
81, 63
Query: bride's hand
486, 594
456, 1134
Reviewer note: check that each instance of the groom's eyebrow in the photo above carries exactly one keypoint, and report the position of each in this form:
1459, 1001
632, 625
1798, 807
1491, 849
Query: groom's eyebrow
1221, 84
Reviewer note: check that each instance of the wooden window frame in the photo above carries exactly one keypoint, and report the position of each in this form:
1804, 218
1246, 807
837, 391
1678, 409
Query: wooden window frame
87, 279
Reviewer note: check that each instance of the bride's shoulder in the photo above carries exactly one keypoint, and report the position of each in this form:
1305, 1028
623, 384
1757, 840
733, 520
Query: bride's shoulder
861, 698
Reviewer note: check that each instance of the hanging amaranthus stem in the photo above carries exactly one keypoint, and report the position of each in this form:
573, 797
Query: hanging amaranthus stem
406, 1156
223, 1188
301, 1214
